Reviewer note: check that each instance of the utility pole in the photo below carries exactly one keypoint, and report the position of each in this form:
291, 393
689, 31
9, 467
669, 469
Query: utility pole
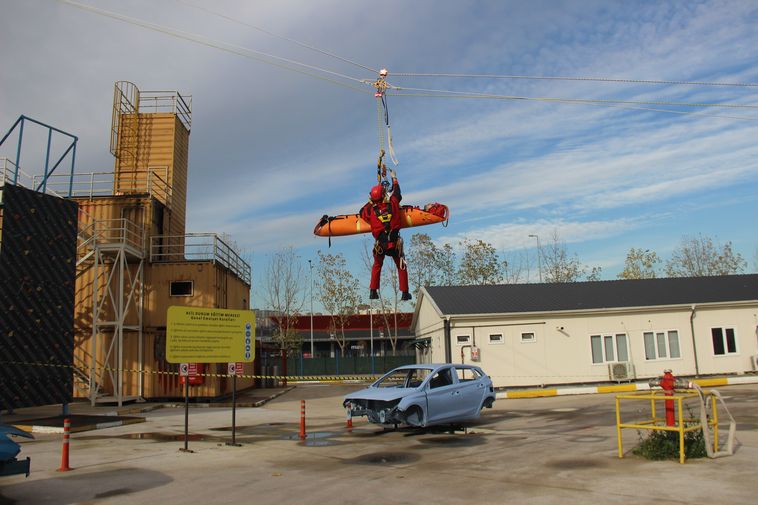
539, 254
310, 267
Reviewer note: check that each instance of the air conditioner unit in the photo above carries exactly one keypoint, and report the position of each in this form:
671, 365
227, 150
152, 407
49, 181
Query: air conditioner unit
754, 360
623, 371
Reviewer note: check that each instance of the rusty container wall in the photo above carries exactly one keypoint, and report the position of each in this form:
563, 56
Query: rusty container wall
162, 142
140, 210
213, 287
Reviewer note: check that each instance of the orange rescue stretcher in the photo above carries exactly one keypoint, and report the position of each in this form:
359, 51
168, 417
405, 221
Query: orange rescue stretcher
352, 224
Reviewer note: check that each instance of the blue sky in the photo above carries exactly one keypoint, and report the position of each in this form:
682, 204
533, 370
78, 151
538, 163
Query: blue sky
271, 150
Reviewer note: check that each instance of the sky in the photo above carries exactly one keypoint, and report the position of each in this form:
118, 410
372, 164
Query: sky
272, 149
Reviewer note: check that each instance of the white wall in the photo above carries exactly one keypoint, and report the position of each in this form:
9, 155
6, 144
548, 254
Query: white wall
558, 356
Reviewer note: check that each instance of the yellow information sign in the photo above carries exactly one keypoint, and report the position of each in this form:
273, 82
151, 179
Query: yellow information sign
198, 335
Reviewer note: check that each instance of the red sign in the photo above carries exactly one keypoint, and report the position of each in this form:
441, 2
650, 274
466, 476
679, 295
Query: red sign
235, 368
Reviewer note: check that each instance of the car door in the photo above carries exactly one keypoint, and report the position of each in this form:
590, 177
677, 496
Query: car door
472, 390
442, 397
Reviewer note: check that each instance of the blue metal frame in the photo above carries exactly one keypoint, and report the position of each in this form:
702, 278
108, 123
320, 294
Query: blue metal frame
48, 171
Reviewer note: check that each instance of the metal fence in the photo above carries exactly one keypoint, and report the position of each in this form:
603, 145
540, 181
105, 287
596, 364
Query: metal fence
346, 365
198, 247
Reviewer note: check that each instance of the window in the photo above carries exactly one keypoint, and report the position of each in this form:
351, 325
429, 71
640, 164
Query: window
467, 374
441, 378
180, 288
462, 339
724, 341
609, 348
496, 338
661, 344
528, 337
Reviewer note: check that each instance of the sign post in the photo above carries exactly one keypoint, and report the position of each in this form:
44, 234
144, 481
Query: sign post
201, 335
235, 369
184, 371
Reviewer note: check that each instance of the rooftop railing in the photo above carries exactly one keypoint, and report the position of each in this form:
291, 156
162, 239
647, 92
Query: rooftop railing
198, 247
167, 101
153, 181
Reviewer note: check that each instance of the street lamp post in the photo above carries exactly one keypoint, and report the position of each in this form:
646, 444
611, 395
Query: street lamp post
539, 254
310, 267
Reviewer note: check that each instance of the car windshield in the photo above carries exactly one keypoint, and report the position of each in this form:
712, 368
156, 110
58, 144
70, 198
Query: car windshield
404, 378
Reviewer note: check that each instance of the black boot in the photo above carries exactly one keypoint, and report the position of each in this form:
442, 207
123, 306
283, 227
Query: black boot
406, 296
373, 295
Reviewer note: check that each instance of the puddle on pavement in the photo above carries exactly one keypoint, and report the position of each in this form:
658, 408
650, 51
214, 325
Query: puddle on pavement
313, 435
158, 437
384, 458
574, 464
253, 427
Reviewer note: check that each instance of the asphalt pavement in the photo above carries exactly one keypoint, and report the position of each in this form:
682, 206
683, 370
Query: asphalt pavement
554, 450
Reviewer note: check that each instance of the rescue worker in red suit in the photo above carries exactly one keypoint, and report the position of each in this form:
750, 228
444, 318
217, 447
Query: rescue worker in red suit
383, 213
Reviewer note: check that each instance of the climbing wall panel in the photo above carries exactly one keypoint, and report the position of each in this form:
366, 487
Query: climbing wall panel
37, 268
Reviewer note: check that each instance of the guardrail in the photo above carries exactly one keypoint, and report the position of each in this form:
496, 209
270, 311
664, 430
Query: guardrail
167, 101
114, 232
153, 181
198, 247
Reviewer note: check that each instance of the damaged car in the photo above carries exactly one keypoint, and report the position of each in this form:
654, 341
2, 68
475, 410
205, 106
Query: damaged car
424, 395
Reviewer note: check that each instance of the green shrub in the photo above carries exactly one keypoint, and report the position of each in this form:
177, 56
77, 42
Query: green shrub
665, 445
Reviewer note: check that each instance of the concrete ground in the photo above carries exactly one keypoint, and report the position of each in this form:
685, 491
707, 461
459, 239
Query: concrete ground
558, 450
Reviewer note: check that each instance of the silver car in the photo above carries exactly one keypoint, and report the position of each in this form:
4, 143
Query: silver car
424, 395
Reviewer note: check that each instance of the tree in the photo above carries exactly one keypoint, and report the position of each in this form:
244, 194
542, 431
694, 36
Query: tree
698, 256
639, 264
423, 259
338, 292
514, 266
480, 264
557, 266
285, 296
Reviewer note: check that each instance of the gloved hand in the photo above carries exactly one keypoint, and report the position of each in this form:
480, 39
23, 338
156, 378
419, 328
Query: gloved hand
392, 174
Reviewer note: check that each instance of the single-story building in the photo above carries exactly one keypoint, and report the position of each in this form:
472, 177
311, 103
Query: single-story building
537, 334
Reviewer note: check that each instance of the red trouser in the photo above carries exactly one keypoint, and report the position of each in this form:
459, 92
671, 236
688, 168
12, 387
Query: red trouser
376, 270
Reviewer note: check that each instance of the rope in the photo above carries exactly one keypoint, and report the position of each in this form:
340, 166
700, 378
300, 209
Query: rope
591, 79
288, 39
241, 51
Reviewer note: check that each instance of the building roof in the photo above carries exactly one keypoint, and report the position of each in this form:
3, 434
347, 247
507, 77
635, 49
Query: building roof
515, 298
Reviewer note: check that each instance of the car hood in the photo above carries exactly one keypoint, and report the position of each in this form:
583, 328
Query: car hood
381, 394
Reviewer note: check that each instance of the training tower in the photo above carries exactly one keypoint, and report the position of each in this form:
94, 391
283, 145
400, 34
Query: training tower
134, 258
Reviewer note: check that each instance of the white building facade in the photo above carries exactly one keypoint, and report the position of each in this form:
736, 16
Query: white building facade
539, 334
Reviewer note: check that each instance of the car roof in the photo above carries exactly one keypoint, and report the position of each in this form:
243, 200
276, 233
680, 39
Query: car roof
433, 366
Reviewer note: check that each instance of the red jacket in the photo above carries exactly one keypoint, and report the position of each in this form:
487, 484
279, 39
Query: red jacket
384, 217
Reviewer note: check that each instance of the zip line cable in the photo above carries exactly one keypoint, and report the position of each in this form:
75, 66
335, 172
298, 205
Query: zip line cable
468, 94
306, 69
590, 79
288, 39
241, 51
608, 105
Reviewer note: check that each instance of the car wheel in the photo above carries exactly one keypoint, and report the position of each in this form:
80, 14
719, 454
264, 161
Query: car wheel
415, 416
487, 404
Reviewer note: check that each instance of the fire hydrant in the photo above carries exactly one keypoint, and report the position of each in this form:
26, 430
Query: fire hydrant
669, 383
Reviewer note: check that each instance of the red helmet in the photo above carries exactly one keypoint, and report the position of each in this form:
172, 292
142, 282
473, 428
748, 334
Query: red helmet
377, 193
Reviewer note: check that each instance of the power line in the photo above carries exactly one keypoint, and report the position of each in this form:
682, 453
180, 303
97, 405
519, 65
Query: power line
278, 61
288, 39
591, 79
